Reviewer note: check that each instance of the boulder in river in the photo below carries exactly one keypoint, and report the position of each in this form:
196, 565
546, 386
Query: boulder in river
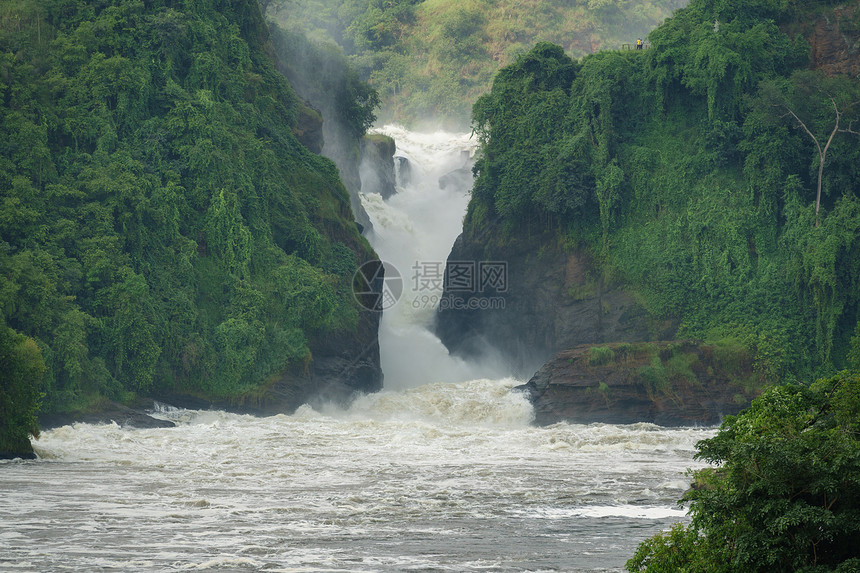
680, 383
402, 170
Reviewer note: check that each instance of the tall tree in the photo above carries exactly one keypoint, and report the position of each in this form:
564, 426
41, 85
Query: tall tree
822, 152
812, 96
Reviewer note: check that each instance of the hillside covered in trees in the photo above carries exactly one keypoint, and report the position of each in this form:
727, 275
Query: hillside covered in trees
162, 230
431, 59
713, 178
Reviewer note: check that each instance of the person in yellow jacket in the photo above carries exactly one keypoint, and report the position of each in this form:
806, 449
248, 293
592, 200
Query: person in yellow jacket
639, 44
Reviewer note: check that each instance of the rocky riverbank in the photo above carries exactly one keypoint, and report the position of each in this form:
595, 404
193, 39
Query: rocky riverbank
681, 383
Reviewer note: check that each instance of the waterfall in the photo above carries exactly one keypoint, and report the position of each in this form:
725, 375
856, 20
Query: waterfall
413, 232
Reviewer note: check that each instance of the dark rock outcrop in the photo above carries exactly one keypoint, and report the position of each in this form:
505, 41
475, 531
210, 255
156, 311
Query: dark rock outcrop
22, 453
377, 165
666, 383
16, 447
402, 170
460, 178
134, 417
309, 128
834, 39
552, 299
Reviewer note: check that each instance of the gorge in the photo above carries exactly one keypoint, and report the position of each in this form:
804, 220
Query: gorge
628, 249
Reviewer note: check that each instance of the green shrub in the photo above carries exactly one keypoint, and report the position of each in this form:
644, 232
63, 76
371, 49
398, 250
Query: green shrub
680, 367
785, 495
624, 351
600, 356
730, 355
655, 377
21, 373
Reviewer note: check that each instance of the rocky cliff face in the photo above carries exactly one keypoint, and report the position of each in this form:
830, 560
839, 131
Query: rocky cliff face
134, 416
552, 299
377, 169
309, 128
834, 40
319, 129
346, 153
665, 383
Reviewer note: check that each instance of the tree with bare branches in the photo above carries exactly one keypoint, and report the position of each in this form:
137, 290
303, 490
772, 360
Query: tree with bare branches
825, 104
822, 152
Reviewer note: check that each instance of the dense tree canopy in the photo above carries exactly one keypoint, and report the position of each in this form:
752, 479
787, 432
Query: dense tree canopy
685, 169
433, 58
161, 229
786, 494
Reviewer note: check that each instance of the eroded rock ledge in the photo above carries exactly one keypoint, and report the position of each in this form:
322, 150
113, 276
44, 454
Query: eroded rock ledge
109, 412
679, 383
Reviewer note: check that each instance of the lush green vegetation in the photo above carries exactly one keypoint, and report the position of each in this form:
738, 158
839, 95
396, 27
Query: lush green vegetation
22, 367
686, 171
433, 58
786, 494
161, 229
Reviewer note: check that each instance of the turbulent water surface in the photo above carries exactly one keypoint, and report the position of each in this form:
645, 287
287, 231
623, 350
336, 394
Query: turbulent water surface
441, 472
444, 477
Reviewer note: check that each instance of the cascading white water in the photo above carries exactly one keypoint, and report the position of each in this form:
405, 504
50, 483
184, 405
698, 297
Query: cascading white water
441, 476
414, 231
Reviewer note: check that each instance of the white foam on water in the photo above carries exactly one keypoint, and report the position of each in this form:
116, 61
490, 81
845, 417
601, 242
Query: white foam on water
625, 511
434, 477
632, 512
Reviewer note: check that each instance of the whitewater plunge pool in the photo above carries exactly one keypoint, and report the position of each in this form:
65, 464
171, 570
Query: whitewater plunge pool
444, 477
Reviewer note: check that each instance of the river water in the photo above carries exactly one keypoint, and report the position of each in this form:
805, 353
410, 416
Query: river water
443, 477
442, 471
